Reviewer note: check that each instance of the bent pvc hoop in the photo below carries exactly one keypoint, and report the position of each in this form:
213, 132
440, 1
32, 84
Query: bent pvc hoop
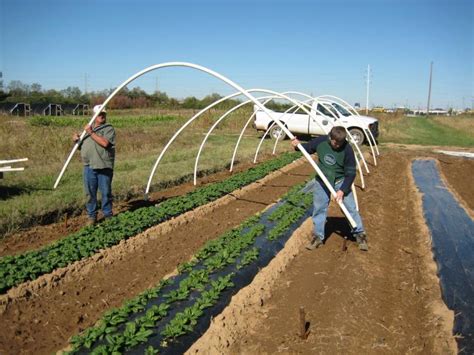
349, 134
351, 108
234, 154
351, 138
215, 125
357, 159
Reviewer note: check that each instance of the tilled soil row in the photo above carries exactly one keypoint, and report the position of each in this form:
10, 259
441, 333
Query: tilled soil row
39, 317
386, 300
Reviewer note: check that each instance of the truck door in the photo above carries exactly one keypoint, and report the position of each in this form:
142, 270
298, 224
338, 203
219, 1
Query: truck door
323, 118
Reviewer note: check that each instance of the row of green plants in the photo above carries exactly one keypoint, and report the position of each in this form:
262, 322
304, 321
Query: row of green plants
235, 249
79, 121
88, 241
214, 256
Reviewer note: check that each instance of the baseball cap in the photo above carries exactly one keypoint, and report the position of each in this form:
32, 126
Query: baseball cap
98, 108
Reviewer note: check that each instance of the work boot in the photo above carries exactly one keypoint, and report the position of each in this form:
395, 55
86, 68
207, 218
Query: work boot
361, 239
91, 221
315, 243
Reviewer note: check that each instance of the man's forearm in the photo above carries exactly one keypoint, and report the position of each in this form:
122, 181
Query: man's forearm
103, 142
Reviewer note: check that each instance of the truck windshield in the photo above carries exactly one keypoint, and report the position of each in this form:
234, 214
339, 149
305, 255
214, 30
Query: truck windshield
325, 111
341, 109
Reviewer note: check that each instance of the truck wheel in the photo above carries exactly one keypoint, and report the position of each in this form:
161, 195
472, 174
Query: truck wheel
277, 133
358, 135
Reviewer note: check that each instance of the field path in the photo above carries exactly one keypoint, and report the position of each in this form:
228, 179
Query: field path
386, 300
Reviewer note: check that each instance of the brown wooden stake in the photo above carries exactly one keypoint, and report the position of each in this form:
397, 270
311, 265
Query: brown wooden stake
303, 333
344, 244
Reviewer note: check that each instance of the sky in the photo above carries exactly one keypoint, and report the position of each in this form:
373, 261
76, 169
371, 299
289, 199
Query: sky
316, 47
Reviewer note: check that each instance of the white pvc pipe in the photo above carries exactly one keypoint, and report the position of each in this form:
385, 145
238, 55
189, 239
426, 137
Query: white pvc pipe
344, 103
371, 146
5, 169
355, 197
351, 138
373, 140
215, 125
350, 107
13, 161
267, 131
276, 140
178, 132
240, 137
313, 119
363, 130
356, 159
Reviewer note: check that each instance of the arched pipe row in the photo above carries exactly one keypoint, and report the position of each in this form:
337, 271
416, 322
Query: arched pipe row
351, 138
238, 88
295, 108
187, 123
359, 152
216, 124
234, 154
248, 122
270, 127
305, 153
267, 98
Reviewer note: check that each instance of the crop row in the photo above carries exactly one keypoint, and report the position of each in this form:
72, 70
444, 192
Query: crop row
172, 309
88, 241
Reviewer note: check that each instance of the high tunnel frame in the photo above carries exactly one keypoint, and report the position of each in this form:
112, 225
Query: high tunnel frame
235, 86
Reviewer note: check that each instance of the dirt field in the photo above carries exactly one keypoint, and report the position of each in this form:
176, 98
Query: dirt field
384, 300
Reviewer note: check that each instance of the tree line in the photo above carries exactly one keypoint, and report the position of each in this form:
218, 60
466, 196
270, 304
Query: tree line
17, 91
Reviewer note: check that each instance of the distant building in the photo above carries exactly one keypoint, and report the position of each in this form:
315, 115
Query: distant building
47, 109
436, 112
76, 109
16, 109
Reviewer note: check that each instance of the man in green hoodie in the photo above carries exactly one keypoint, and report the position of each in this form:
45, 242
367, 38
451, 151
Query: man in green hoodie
337, 162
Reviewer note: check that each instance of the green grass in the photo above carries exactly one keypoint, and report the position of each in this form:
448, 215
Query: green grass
428, 131
117, 122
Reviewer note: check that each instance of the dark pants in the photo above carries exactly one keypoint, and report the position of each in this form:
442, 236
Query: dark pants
98, 179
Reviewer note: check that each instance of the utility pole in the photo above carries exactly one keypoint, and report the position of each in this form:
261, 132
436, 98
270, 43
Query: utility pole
368, 89
429, 90
156, 86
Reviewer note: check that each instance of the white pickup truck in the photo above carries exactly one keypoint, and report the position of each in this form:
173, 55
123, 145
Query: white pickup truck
298, 123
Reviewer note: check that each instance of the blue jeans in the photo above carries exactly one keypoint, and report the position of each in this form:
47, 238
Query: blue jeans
321, 198
98, 179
